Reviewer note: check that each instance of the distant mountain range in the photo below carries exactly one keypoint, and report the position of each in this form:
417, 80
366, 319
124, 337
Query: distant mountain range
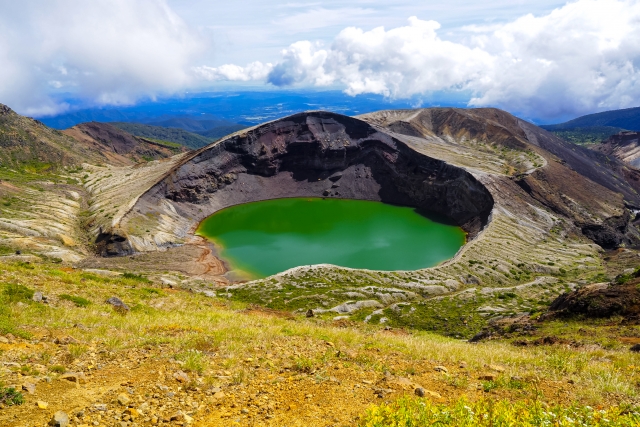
597, 127
628, 119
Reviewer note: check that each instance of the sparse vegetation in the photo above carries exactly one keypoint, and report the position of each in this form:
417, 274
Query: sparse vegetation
587, 135
9, 396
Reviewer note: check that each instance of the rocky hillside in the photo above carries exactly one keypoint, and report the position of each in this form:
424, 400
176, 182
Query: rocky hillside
179, 136
624, 146
119, 147
27, 143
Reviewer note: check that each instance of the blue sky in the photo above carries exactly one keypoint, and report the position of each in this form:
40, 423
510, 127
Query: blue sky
538, 59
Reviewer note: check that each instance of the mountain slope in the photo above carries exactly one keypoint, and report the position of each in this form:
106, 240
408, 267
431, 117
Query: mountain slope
628, 118
25, 142
172, 134
119, 147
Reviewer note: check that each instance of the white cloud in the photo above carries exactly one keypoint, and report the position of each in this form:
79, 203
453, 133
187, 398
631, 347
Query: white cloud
108, 51
579, 58
229, 72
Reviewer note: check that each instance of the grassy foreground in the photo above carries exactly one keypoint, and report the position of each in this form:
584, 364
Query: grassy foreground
179, 357
486, 412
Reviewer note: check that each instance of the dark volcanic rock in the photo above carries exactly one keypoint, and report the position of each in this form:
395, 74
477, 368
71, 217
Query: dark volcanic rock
599, 300
303, 155
112, 244
118, 304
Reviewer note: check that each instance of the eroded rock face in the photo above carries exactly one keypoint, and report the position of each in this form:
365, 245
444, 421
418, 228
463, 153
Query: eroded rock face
599, 300
113, 244
323, 155
624, 146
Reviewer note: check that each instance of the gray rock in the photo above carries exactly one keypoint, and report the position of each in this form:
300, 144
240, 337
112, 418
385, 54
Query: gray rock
118, 305
74, 377
37, 296
181, 377
59, 419
123, 399
29, 388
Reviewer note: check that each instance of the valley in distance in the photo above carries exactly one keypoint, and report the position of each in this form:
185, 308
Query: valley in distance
114, 311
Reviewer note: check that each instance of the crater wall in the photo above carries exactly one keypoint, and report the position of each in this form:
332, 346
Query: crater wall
316, 154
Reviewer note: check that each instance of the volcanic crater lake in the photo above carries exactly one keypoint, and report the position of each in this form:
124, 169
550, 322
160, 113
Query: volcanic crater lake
263, 238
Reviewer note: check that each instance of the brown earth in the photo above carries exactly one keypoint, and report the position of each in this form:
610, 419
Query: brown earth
271, 389
196, 258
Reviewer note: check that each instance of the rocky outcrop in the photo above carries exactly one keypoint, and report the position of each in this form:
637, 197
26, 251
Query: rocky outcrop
624, 146
112, 243
599, 300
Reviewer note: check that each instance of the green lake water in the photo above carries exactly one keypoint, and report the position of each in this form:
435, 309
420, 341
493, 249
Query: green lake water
268, 237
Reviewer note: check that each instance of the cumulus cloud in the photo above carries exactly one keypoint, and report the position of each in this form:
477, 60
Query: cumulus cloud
579, 58
107, 51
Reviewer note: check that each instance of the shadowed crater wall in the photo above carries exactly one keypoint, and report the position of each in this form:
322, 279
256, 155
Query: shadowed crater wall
315, 154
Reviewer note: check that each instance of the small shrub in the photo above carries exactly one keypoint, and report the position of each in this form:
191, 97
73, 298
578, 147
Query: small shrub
58, 369
9, 396
304, 364
17, 293
487, 386
621, 279
45, 357
77, 350
238, 377
78, 301
194, 361
136, 277
25, 265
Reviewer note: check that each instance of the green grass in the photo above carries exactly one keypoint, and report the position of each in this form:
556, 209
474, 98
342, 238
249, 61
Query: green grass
136, 277
9, 396
196, 329
194, 361
78, 301
58, 369
17, 293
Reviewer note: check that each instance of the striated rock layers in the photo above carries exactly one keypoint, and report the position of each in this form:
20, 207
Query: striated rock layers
624, 146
